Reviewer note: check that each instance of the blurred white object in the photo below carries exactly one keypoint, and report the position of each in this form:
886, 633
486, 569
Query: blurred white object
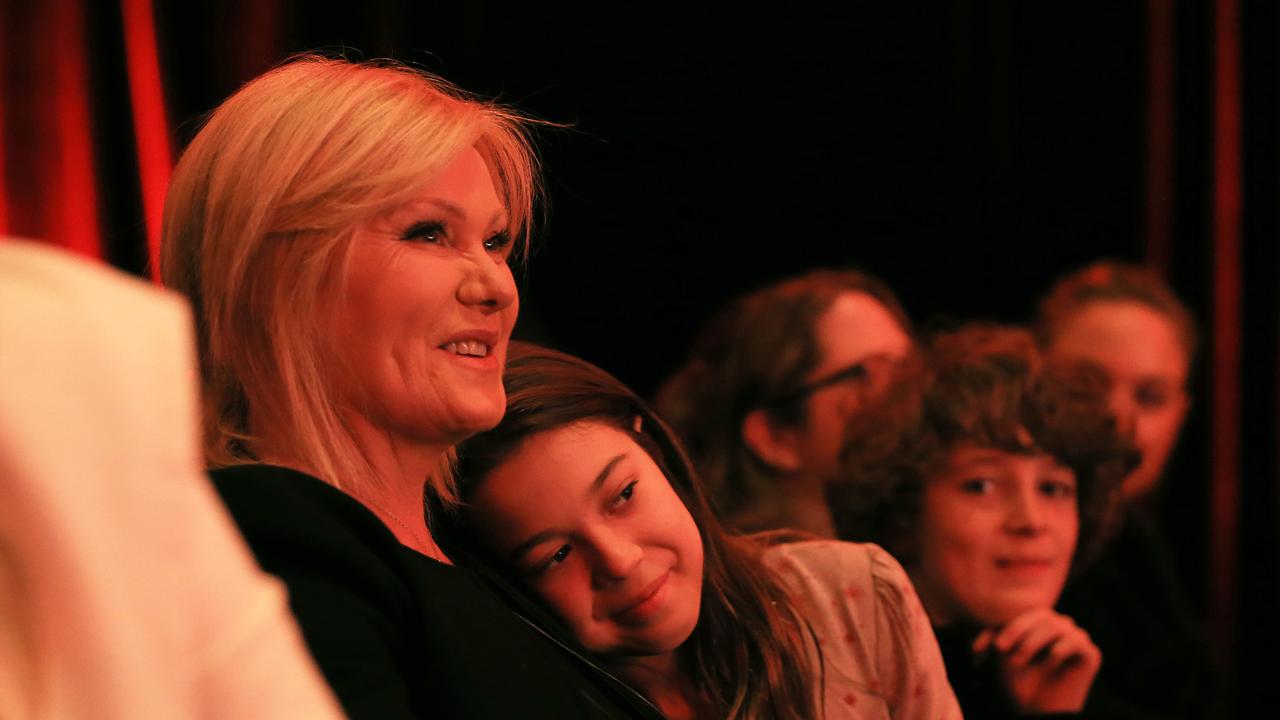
125, 589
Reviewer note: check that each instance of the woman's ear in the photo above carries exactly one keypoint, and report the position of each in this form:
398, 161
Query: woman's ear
636, 424
774, 445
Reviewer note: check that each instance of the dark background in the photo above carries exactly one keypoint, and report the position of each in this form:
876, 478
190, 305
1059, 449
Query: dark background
966, 152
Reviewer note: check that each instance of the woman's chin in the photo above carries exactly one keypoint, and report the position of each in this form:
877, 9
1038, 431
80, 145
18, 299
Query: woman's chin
462, 420
482, 415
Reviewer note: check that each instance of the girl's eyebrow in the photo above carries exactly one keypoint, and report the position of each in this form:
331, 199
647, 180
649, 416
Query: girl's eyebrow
606, 470
524, 547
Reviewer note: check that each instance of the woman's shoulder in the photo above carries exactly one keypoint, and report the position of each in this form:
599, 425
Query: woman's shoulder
263, 487
290, 517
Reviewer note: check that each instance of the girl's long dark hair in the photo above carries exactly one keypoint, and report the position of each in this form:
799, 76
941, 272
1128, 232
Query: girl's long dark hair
747, 656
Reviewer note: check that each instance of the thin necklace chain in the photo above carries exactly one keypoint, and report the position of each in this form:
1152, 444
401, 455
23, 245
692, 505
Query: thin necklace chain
432, 550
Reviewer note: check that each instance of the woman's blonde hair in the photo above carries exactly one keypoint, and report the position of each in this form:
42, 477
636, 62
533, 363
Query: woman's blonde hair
259, 219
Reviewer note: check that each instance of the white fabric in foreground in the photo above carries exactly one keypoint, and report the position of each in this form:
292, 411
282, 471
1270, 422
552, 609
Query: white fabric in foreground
125, 590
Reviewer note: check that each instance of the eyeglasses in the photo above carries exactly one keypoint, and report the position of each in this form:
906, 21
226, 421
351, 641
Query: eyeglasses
864, 376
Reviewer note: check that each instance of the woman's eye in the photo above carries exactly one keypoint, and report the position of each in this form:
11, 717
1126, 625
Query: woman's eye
498, 242
976, 486
1152, 398
429, 232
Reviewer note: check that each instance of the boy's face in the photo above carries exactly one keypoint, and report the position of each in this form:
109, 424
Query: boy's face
997, 535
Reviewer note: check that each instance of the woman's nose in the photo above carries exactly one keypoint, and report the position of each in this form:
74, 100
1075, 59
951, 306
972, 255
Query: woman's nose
488, 284
1122, 406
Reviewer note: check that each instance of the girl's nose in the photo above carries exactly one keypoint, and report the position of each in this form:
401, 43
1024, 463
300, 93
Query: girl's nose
616, 557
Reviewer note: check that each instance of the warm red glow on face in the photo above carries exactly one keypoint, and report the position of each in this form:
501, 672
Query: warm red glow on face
997, 535
419, 328
598, 532
856, 329
1139, 352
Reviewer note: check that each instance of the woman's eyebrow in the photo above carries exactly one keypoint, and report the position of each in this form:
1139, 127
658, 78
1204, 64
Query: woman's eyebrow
457, 211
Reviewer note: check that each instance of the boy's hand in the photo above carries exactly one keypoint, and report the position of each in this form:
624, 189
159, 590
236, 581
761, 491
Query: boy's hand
1048, 662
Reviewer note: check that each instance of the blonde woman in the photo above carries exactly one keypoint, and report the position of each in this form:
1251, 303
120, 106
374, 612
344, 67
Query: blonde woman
345, 232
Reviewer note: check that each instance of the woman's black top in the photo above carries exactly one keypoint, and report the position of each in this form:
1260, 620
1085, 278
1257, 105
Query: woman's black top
1155, 657
399, 635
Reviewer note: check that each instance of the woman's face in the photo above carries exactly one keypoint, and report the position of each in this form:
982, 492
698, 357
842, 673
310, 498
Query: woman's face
590, 522
419, 330
997, 535
859, 341
1137, 349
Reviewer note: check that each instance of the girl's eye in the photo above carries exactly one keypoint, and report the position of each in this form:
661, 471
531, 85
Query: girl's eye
560, 555
627, 494
976, 486
429, 232
556, 558
498, 242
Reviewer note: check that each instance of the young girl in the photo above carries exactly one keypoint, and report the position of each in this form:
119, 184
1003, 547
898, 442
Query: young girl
989, 476
585, 496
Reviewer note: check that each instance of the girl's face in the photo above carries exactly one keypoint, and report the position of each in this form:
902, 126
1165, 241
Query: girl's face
1137, 349
997, 534
589, 521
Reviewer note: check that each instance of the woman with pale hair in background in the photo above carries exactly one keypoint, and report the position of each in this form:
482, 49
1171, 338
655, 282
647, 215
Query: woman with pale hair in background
763, 398
1124, 324
344, 232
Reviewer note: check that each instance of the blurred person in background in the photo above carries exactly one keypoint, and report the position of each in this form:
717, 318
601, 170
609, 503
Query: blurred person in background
1124, 324
763, 399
